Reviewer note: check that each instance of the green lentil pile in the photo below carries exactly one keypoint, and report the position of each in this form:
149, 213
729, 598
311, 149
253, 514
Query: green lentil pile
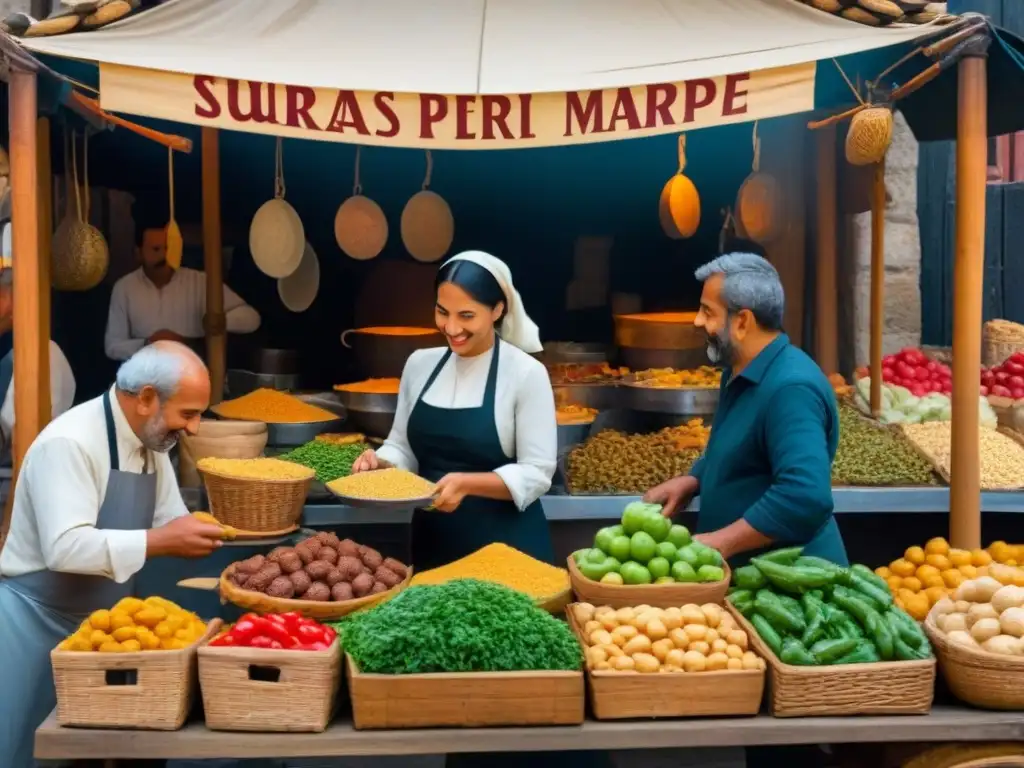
460, 626
329, 461
870, 454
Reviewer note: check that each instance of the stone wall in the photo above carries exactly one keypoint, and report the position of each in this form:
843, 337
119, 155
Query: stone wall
902, 324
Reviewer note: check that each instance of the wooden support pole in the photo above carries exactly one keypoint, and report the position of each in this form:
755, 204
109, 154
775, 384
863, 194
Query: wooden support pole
29, 323
213, 263
968, 280
877, 283
826, 282
44, 181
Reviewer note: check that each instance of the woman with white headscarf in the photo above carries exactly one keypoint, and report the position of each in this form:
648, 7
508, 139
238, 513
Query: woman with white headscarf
477, 418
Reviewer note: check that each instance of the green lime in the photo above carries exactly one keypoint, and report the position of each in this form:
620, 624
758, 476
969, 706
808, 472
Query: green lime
620, 548
667, 550
683, 571
634, 573
657, 526
679, 535
612, 577
642, 547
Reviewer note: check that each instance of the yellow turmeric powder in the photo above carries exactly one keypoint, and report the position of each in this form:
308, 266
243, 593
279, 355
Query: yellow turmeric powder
501, 564
273, 407
371, 387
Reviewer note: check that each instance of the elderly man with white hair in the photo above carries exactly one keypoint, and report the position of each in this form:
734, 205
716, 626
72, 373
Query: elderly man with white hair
96, 498
765, 477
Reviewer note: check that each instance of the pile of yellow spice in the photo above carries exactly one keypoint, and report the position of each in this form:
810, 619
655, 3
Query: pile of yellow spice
502, 564
272, 407
133, 625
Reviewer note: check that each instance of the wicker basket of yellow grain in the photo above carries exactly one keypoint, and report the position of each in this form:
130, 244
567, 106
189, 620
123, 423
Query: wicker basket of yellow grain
256, 495
546, 584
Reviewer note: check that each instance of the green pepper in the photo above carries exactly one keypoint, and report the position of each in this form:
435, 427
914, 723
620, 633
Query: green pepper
811, 605
815, 628
767, 633
794, 652
870, 575
908, 629
879, 597
748, 577
743, 602
864, 653
810, 561
785, 556
838, 623
741, 594
853, 603
791, 578
791, 603
778, 614
829, 651
879, 632
904, 652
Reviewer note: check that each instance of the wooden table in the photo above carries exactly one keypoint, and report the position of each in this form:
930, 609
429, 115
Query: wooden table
943, 724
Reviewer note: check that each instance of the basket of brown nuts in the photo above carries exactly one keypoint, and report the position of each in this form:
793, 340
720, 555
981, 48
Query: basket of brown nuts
322, 577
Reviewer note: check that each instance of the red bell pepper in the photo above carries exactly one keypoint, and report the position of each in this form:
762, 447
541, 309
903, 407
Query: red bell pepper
260, 641
274, 628
226, 639
244, 630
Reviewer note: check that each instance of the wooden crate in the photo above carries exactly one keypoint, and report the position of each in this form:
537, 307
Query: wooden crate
148, 690
464, 699
254, 689
882, 688
624, 695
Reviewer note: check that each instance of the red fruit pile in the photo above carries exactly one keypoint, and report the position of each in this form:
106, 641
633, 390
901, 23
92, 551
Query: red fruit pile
912, 370
1005, 379
284, 631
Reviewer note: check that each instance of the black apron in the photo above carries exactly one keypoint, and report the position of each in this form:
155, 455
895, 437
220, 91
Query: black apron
446, 440
6, 378
40, 609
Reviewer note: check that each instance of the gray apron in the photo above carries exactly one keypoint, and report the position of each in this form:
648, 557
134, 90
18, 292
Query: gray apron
38, 610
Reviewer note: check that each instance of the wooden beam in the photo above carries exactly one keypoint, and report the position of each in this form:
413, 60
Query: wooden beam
968, 274
877, 283
213, 263
28, 320
44, 182
826, 338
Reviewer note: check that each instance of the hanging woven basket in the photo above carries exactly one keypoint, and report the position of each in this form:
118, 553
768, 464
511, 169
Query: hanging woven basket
79, 253
869, 136
759, 201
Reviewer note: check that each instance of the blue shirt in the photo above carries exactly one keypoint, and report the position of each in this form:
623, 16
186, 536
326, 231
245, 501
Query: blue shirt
769, 457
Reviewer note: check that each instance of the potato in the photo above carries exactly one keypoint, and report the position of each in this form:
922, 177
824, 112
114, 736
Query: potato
591, 627
985, 629
661, 649
602, 666
734, 663
1003, 644
711, 635
751, 662
595, 655
692, 614
1003, 574
961, 637
679, 637
717, 661
670, 669
638, 644
712, 613
1012, 622
601, 637
694, 662
641, 620
609, 622
953, 622
674, 658
612, 650
656, 629
604, 610
644, 662
625, 615
984, 588
700, 647
943, 606
733, 651
961, 606
583, 612
638, 609
1008, 597
695, 631
625, 633
718, 645
624, 664
981, 611
737, 637
727, 624
672, 618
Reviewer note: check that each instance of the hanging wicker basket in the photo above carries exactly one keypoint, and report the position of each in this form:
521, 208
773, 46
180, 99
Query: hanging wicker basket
1000, 340
870, 135
80, 256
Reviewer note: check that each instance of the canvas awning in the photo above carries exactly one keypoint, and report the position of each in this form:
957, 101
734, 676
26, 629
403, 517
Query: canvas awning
467, 73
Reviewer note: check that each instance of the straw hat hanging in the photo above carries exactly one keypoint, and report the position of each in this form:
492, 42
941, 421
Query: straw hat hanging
79, 257
175, 245
427, 223
277, 238
679, 207
759, 201
360, 226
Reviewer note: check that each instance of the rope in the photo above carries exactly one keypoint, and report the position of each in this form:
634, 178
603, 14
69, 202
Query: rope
279, 187
430, 170
74, 176
357, 188
852, 88
681, 150
756, 165
170, 179
85, 174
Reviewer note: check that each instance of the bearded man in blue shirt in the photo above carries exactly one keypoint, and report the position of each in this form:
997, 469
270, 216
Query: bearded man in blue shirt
764, 480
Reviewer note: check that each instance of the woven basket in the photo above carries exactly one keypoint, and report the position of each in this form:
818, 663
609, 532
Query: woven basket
1000, 340
555, 603
256, 505
253, 689
982, 679
149, 690
883, 688
257, 602
654, 595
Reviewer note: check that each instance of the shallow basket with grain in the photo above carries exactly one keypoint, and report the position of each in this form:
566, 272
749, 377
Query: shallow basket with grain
625, 695
883, 688
254, 689
148, 690
655, 595
258, 602
256, 505
977, 677
464, 699
555, 603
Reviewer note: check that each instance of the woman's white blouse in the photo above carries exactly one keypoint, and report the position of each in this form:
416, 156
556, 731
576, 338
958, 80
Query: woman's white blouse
524, 412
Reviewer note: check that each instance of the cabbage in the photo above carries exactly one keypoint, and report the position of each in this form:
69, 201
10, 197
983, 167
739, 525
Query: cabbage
986, 415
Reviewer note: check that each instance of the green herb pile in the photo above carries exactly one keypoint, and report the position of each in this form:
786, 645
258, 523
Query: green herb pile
871, 454
461, 626
329, 461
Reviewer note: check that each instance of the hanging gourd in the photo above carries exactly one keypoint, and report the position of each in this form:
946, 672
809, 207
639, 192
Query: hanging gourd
175, 244
360, 226
869, 136
759, 201
80, 256
277, 238
427, 224
679, 206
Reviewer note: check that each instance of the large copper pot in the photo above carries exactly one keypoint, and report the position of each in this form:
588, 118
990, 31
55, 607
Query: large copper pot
381, 351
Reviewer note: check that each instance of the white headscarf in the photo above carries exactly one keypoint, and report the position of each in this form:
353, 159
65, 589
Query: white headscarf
516, 328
